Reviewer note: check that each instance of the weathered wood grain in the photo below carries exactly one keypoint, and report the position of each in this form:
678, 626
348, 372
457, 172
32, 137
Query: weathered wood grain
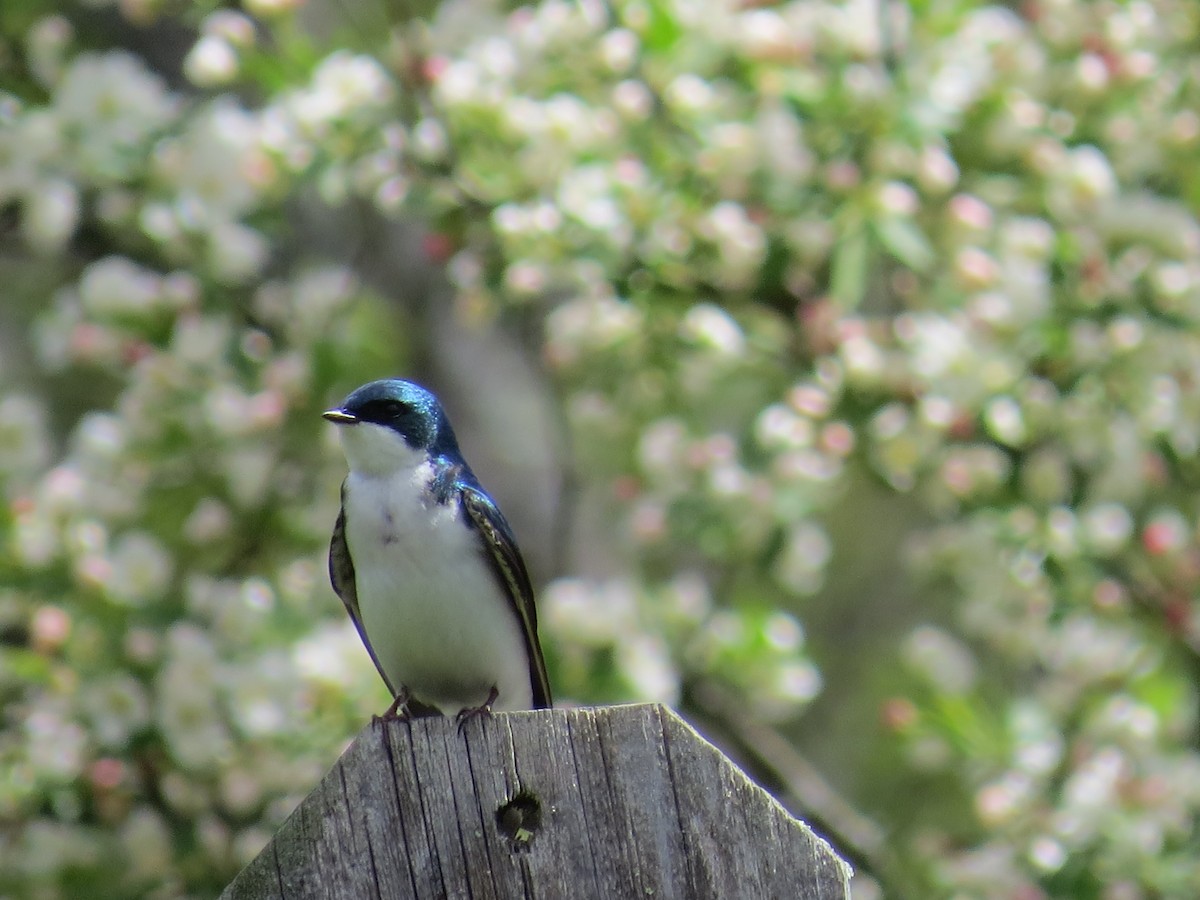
611, 802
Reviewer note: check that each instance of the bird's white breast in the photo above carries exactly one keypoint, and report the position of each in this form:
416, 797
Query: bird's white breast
434, 613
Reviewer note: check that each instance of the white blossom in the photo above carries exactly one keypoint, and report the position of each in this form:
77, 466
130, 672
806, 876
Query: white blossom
110, 105
211, 62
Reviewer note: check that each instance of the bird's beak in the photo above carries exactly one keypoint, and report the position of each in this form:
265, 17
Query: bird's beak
339, 417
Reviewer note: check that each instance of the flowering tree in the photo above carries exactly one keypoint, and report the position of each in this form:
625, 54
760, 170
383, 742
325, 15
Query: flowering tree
770, 250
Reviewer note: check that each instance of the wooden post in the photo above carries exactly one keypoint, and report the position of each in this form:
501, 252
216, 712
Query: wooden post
612, 802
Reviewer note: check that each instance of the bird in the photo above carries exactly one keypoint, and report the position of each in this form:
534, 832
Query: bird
426, 564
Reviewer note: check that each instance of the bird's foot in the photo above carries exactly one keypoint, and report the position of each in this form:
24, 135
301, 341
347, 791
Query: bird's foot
474, 712
404, 708
397, 711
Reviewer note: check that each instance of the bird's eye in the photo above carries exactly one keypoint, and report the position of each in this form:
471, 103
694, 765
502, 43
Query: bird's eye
383, 411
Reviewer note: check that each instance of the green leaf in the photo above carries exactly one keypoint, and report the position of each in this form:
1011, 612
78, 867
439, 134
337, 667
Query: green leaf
905, 241
848, 280
661, 30
25, 666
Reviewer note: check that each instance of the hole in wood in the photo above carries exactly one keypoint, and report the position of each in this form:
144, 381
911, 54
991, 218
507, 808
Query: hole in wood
520, 818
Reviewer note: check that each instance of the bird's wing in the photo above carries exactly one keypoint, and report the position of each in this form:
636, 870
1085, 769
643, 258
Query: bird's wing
341, 575
509, 567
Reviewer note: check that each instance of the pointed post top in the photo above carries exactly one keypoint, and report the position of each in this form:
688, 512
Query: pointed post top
621, 801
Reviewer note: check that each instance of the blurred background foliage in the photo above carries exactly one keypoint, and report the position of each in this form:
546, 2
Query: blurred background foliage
836, 362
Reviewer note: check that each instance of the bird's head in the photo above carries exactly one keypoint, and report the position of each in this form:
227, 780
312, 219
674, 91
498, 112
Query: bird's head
391, 425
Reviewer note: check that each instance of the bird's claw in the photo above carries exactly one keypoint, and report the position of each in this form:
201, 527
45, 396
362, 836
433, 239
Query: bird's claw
398, 710
405, 707
473, 712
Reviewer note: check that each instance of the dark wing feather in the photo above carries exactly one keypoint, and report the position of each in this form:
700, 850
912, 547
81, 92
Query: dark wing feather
341, 575
509, 567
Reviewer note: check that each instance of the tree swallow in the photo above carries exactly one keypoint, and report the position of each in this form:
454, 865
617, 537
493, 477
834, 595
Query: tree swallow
426, 564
